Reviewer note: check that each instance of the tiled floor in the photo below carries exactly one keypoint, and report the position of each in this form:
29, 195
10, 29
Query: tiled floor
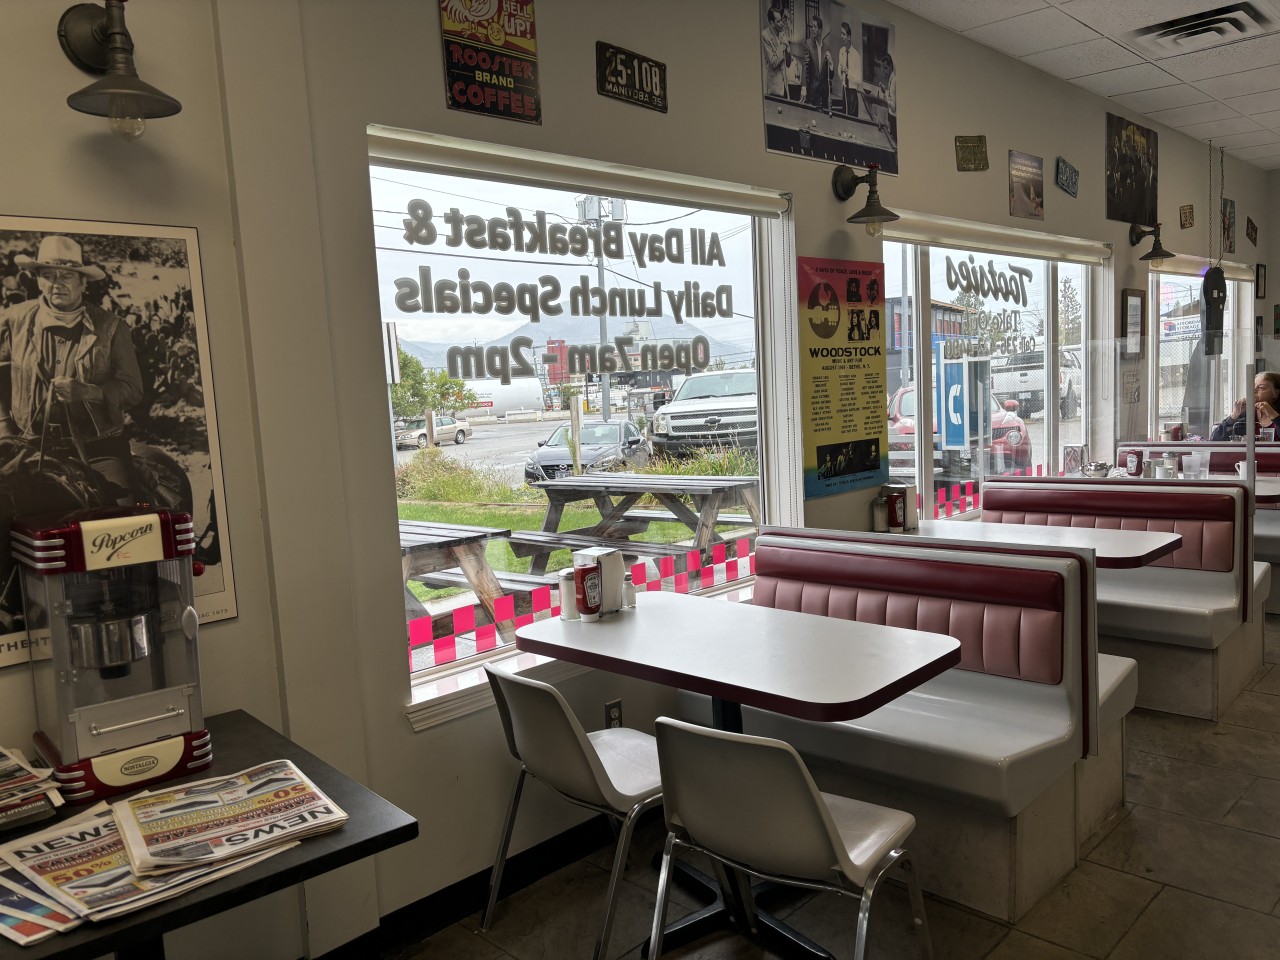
1191, 871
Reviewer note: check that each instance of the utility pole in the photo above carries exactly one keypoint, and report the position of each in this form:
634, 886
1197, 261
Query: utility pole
592, 210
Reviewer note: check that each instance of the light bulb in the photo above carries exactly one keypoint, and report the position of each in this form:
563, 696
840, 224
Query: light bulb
1156, 263
875, 228
124, 114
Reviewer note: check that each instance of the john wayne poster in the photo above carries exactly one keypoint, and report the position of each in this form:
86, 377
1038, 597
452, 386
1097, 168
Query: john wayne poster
842, 375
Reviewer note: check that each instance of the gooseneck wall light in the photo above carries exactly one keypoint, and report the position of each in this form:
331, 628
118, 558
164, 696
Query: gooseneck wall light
1158, 254
97, 41
844, 183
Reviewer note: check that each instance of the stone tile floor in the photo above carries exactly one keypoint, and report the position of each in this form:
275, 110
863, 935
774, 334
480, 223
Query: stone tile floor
1189, 871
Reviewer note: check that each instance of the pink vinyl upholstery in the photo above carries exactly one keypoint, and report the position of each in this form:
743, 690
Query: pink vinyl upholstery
1010, 626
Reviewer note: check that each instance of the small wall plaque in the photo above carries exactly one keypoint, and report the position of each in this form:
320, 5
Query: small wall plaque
633, 77
1067, 177
971, 153
1251, 230
1187, 216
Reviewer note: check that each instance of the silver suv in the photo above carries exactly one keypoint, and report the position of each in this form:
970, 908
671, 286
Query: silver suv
713, 409
1021, 377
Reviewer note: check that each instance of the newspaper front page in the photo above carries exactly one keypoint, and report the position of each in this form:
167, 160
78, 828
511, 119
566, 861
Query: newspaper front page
223, 817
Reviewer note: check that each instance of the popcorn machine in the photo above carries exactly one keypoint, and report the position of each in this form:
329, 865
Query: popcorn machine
118, 698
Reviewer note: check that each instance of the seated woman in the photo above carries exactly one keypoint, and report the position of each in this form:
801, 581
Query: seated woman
1266, 404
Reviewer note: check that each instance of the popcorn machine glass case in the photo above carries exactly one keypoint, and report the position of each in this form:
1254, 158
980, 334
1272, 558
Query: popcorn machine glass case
118, 701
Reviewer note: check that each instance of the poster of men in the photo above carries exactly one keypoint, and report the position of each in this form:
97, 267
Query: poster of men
105, 389
1131, 172
1228, 226
830, 86
1026, 186
842, 370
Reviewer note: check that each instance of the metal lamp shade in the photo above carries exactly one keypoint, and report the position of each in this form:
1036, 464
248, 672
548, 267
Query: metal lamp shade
148, 102
874, 211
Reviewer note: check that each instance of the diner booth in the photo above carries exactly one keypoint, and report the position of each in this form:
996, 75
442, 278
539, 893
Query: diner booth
804, 493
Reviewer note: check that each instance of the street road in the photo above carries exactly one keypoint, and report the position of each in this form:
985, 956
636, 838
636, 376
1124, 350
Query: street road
502, 446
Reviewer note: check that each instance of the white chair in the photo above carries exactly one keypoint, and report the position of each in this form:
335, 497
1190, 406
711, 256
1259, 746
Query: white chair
751, 804
613, 771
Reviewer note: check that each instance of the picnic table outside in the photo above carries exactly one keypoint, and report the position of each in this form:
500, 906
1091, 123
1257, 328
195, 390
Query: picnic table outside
427, 548
615, 496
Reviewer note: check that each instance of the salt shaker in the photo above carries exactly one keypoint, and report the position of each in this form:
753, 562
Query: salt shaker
880, 514
568, 603
628, 591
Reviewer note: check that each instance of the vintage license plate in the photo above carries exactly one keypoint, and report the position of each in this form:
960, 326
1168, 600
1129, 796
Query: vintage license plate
630, 76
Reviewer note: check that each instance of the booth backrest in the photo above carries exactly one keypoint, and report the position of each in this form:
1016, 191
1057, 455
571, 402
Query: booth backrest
1009, 624
1207, 521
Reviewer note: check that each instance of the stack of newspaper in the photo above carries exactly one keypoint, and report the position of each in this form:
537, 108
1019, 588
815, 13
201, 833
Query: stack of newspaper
27, 793
121, 857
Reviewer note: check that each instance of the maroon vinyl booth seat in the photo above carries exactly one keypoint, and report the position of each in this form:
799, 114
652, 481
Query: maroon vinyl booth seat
1193, 619
995, 740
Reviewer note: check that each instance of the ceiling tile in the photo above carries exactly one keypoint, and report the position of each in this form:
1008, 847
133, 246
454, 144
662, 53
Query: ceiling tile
1165, 98
971, 13
1233, 58
1269, 120
1195, 113
1083, 59
1256, 153
1242, 84
1143, 76
1256, 103
1269, 163
1115, 18
1219, 128
1252, 138
1032, 33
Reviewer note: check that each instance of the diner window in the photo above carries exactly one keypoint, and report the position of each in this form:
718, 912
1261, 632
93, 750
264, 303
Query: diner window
1005, 366
1196, 383
569, 368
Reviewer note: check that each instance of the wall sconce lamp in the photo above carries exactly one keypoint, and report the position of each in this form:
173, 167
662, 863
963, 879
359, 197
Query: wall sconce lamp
1158, 254
98, 42
844, 183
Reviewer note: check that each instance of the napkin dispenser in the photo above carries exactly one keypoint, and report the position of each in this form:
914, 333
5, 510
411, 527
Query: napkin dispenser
612, 575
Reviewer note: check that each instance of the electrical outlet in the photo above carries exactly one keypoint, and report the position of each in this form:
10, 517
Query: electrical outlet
613, 713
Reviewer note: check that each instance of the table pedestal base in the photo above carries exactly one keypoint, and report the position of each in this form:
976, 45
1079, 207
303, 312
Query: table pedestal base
776, 935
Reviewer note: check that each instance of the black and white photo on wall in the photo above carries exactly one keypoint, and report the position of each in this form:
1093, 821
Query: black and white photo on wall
1260, 281
106, 395
1251, 230
830, 83
1187, 216
1132, 172
1228, 226
1026, 186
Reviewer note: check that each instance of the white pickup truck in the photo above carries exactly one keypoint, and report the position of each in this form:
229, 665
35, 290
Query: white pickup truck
1021, 377
712, 409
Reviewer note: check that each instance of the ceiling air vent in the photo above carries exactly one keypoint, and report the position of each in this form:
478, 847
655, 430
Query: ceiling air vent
1202, 31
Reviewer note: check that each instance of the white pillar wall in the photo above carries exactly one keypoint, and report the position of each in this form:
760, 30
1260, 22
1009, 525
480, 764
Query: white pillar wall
268, 161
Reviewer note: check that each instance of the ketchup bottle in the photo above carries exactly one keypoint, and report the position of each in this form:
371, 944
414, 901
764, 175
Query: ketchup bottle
588, 588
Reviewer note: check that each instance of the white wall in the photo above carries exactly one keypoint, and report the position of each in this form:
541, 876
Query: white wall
268, 161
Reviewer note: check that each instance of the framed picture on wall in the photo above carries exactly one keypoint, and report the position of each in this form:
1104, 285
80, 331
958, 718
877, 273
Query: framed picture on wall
1131, 323
140, 287
1260, 281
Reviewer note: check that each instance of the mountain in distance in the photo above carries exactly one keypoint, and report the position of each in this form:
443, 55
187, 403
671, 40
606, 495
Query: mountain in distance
587, 330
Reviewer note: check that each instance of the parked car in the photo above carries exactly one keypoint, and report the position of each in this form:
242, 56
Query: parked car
612, 445
1021, 377
1009, 450
413, 433
711, 409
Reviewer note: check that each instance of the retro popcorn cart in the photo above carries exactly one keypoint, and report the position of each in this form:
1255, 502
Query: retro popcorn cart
118, 699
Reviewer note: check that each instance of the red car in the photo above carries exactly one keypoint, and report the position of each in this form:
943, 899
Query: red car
1009, 450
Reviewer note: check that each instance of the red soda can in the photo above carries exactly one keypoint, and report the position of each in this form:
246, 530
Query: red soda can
897, 511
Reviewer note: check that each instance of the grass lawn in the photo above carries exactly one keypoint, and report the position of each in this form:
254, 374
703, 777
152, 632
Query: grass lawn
516, 517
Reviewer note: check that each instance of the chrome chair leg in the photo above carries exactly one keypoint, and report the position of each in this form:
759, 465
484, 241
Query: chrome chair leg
615, 876
660, 908
917, 907
500, 858
743, 879
864, 905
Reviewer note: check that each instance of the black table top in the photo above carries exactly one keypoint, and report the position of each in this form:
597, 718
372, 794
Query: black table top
240, 741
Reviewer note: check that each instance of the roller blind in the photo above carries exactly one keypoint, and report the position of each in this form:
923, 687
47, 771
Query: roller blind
1188, 266
988, 238
417, 150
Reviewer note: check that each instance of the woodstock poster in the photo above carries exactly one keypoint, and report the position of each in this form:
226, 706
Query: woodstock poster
106, 395
842, 375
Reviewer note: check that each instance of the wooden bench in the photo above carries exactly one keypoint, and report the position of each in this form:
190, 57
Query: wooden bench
648, 516
1192, 620
509, 581
540, 544
994, 758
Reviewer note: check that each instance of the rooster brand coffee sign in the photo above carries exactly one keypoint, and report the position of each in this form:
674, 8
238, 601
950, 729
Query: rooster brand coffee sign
491, 58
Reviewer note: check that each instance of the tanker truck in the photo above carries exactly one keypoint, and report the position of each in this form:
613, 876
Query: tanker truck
497, 399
